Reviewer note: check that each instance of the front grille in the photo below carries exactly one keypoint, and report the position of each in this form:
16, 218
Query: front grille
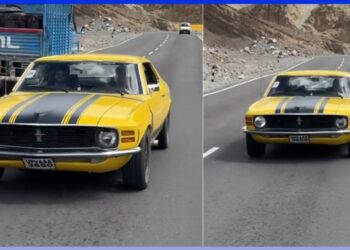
48, 136
301, 122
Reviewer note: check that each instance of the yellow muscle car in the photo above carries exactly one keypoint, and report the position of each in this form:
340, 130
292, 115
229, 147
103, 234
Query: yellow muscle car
90, 113
300, 107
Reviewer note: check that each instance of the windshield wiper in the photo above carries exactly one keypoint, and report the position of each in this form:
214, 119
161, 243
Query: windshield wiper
46, 87
340, 95
121, 92
110, 90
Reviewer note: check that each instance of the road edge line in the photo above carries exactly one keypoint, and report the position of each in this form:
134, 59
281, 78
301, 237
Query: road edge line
121, 43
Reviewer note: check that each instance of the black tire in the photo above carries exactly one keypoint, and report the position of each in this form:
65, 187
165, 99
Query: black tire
137, 171
254, 148
348, 146
2, 170
163, 137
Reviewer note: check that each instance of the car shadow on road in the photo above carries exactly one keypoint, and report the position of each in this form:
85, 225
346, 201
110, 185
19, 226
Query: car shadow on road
20, 187
276, 154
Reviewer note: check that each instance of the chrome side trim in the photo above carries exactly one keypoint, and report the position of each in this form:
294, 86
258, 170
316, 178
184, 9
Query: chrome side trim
300, 132
79, 154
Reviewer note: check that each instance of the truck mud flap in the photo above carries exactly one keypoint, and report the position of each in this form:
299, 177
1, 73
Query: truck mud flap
6, 85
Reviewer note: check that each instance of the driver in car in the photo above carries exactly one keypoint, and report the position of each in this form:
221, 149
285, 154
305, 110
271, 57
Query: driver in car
58, 76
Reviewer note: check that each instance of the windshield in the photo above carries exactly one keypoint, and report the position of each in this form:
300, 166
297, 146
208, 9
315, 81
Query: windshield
310, 86
104, 77
185, 25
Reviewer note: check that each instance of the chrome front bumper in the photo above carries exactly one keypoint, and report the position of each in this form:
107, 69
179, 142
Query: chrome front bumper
322, 133
16, 153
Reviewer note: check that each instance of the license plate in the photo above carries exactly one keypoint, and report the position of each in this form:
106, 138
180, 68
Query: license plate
43, 163
301, 139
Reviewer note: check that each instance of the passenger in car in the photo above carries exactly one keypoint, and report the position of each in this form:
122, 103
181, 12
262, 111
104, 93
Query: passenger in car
120, 81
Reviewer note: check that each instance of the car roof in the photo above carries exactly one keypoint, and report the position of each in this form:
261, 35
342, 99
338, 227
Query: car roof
95, 57
315, 73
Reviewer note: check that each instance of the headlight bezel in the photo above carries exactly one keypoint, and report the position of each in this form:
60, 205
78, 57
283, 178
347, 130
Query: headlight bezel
105, 133
344, 122
259, 122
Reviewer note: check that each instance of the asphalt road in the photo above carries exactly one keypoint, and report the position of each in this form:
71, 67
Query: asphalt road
294, 196
65, 209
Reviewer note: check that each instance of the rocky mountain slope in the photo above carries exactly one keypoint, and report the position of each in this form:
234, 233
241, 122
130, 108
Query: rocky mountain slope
310, 29
139, 17
247, 41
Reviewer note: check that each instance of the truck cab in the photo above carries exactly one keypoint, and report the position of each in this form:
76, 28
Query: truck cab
29, 31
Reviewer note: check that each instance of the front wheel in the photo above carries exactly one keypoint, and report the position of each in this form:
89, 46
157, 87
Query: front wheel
254, 148
163, 137
136, 172
2, 170
348, 146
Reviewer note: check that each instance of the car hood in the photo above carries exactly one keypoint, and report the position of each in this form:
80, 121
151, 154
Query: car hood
301, 105
64, 108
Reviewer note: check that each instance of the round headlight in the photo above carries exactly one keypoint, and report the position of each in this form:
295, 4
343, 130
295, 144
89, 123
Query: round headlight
107, 138
341, 122
259, 121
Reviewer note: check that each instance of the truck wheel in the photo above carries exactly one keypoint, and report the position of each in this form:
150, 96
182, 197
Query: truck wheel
254, 148
163, 137
137, 171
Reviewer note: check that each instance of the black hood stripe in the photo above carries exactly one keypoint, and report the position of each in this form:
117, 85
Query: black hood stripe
80, 110
279, 106
50, 109
301, 104
9, 113
323, 105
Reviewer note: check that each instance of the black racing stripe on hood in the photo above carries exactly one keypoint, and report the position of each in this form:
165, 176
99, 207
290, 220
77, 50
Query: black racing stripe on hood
323, 105
49, 109
80, 110
302, 104
279, 106
17, 106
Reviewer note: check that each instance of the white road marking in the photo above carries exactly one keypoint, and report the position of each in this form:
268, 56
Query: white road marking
210, 151
132, 38
251, 80
160, 45
341, 64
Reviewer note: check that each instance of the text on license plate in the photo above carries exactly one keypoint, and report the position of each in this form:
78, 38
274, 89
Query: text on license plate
42, 163
299, 139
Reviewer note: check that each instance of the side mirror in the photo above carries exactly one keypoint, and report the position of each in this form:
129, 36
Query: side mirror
153, 87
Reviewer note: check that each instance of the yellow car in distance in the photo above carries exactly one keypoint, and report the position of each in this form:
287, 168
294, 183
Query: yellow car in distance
90, 113
300, 107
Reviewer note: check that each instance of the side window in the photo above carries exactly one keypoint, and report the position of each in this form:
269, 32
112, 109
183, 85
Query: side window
150, 74
348, 86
